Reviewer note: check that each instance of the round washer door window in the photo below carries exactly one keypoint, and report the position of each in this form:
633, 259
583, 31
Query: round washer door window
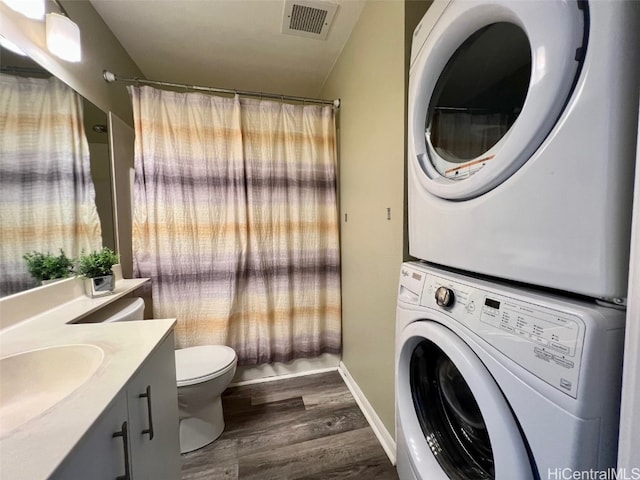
486, 89
449, 415
454, 419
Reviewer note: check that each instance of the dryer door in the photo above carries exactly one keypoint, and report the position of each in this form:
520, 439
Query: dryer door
486, 88
454, 419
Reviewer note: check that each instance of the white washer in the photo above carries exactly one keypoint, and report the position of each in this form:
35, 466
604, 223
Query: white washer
522, 120
502, 383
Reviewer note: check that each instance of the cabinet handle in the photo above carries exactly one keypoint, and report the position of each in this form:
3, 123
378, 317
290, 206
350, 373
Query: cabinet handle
147, 395
124, 433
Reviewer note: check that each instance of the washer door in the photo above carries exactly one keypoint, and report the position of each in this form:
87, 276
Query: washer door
487, 87
455, 420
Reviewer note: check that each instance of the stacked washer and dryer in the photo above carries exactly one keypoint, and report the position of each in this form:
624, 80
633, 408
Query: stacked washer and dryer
521, 143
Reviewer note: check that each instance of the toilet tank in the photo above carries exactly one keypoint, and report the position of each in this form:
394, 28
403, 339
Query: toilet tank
122, 310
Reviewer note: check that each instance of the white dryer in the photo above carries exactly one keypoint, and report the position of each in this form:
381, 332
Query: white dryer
495, 382
521, 141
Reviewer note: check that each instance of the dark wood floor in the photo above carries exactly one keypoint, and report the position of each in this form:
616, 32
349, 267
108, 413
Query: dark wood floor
301, 428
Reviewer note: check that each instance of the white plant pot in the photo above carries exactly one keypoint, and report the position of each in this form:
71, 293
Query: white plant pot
99, 286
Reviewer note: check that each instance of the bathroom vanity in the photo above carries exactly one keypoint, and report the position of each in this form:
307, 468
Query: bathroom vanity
83, 400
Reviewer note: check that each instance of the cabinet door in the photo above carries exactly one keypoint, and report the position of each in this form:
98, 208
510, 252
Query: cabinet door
152, 401
100, 455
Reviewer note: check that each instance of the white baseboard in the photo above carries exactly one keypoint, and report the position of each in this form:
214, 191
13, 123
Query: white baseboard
384, 437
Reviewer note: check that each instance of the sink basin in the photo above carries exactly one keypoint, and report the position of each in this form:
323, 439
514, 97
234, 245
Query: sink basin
34, 381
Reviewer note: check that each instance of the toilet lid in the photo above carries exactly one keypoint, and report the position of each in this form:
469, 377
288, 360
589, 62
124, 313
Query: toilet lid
198, 364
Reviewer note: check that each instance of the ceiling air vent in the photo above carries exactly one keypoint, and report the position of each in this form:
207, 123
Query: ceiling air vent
308, 18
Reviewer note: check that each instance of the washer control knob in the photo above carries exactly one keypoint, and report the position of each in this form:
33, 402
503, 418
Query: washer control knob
444, 297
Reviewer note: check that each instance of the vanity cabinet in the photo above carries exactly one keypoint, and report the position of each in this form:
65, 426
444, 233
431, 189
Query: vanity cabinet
99, 455
152, 401
137, 437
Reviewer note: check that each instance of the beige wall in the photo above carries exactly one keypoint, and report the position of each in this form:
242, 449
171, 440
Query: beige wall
369, 78
100, 50
101, 175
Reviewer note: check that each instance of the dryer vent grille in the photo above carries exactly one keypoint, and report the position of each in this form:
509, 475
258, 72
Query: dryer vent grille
310, 19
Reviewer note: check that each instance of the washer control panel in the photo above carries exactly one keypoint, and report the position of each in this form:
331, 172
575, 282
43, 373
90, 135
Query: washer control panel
545, 341
548, 329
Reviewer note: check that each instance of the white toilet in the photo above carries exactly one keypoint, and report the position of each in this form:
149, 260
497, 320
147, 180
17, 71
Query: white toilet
202, 374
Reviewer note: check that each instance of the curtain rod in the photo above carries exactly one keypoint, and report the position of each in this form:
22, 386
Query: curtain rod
112, 77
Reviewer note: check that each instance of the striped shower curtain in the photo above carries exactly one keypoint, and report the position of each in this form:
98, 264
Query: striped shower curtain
236, 222
47, 197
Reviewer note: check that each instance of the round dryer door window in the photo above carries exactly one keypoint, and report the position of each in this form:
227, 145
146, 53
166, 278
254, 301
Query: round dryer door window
487, 87
467, 118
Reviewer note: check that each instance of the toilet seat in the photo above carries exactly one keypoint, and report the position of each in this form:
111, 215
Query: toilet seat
198, 364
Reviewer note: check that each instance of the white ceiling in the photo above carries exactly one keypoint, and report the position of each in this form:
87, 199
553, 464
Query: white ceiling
233, 44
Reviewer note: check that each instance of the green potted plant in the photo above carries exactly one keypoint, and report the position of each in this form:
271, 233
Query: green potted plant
96, 268
46, 267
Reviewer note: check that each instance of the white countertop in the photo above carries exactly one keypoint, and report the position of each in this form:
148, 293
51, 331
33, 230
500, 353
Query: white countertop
36, 448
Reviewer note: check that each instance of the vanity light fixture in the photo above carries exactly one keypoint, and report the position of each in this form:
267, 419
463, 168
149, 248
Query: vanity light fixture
29, 8
63, 37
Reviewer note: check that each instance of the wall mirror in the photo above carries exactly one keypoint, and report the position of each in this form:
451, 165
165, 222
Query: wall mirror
55, 171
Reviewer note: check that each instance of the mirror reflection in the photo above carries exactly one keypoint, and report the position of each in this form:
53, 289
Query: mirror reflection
55, 175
